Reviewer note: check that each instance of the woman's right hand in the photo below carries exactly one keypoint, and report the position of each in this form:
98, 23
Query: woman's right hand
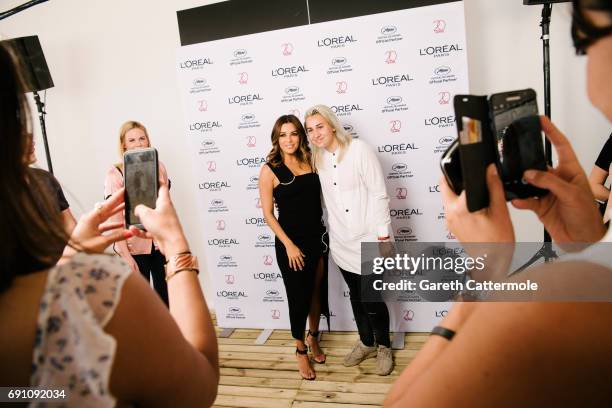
295, 256
568, 212
162, 225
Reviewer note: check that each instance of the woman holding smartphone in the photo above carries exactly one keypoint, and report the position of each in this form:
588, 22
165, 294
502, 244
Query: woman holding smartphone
142, 254
79, 331
301, 240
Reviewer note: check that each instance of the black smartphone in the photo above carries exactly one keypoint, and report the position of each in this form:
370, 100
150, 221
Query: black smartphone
141, 181
519, 140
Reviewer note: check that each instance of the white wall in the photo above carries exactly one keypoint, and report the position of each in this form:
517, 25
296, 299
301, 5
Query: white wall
114, 60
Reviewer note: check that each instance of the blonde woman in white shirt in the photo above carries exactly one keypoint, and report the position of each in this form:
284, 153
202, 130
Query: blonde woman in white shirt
357, 205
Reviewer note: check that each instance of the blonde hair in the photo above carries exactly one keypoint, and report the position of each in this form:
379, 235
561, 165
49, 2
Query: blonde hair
342, 136
126, 127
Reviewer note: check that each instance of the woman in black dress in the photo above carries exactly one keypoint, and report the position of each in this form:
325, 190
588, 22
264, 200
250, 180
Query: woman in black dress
301, 239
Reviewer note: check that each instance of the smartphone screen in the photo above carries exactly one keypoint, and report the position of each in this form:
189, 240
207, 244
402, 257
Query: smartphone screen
140, 180
508, 107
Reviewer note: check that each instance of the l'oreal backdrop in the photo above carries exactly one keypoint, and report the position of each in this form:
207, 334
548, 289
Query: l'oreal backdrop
389, 77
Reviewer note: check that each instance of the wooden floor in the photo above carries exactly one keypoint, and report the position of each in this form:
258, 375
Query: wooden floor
266, 375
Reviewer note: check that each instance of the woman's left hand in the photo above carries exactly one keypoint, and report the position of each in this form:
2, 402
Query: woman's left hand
88, 233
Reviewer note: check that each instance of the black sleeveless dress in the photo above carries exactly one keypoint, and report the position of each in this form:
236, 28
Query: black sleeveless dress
298, 199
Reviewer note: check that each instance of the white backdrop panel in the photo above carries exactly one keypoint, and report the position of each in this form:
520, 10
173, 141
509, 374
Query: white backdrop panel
390, 77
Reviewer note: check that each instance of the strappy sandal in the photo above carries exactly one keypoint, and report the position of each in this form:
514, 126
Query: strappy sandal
304, 353
315, 335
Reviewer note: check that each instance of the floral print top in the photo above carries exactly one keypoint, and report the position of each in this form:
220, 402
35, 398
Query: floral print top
71, 350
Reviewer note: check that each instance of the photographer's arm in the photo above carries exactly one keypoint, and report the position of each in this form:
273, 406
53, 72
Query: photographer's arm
432, 349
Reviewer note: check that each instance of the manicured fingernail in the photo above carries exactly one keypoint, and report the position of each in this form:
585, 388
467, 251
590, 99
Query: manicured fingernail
529, 174
128, 234
493, 169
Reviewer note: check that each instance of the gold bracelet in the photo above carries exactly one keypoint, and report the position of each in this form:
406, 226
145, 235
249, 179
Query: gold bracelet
181, 262
171, 275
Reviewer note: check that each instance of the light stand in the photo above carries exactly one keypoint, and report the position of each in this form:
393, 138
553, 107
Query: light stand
546, 250
33, 82
41, 116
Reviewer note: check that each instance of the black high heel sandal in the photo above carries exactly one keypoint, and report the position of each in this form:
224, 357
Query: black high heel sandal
304, 353
316, 336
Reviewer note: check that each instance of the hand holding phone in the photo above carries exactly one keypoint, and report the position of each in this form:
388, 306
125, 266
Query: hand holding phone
141, 181
504, 130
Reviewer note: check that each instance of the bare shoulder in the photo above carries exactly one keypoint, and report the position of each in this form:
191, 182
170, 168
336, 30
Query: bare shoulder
267, 178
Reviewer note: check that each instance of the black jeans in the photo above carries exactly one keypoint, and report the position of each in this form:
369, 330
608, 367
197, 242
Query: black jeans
153, 265
372, 318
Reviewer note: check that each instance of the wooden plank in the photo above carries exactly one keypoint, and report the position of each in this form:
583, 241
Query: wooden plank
254, 372
337, 386
402, 359
364, 368
277, 393
324, 344
321, 376
251, 402
257, 381
340, 397
329, 351
309, 404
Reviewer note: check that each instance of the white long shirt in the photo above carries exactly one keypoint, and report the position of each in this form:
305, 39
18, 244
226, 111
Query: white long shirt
356, 200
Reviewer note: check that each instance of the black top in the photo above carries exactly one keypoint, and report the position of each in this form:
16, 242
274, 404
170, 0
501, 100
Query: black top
298, 199
52, 188
605, 156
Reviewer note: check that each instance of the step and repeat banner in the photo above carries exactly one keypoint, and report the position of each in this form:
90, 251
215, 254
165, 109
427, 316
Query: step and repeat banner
389, 77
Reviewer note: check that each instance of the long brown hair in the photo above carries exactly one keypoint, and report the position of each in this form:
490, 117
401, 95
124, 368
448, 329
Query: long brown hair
275, 157
31, 237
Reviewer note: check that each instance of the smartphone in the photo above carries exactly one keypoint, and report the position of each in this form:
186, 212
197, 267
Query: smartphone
519, 140
141, 181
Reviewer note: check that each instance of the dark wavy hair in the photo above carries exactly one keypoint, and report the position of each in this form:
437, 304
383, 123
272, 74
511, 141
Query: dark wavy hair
275, 157
31, 236
584, 32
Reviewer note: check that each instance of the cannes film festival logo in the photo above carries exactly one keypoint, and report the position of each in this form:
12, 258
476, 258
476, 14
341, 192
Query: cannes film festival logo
391, 57
407, 315
267, 260
257, 202
251, 141
202, 105
396, 126
439, 26
444, 98
287, 49
220, 225
243, 78
212, 166
401, 193
341, 87
275, 314
295, 112
230, 279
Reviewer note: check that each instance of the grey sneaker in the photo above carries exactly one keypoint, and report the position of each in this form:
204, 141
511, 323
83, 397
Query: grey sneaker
359, 353
384, 361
